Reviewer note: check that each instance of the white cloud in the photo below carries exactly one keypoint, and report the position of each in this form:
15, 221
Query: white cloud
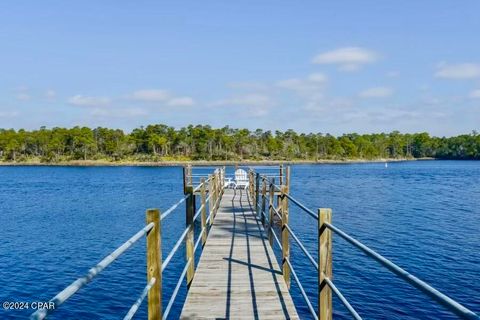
458, 71
313, 85
253, 100
50, 94
119, 113
246, 106
393, 74
22, 93
348, 58
318, 77
475, 94
22, 96
153, 95
181, 102
85, 101
8, 114
376, 92
258, 86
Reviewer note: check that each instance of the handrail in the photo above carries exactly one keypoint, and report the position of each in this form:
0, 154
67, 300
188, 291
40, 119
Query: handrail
76, 285
182, 236
301, 206
175, 291
343, 299
133, 309
172, 208
174, 249
189, 229
452, 305
456, 307
300, 244
302, 291
154, 261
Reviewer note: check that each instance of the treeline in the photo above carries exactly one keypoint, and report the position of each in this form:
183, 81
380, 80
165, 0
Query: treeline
161, 142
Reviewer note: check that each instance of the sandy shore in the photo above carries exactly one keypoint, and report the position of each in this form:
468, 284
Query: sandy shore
88, 163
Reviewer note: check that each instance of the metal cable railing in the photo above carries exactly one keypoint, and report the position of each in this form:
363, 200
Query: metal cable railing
214, 188
138, 302
76, 285
302, 290
343, 299
419, 284
177, 288
184, 235
451, 304
295, 277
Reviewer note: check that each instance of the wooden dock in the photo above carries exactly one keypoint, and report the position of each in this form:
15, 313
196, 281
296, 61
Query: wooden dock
238, 276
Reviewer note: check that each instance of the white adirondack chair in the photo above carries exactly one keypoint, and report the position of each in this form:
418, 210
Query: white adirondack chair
241, 179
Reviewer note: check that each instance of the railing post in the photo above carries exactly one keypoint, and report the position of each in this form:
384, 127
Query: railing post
190, 176
287, 178
281, 174
223, 180
285, 236
217, 190
204, 211
214, 189
190, 212
250, 183
257, 190
154, 264
185, 182
211, 202
324, 265
264, 194
270, 212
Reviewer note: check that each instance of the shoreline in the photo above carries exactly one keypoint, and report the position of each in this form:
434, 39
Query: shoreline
105, 163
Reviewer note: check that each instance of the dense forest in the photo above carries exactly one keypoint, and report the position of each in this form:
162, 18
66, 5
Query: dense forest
162, 143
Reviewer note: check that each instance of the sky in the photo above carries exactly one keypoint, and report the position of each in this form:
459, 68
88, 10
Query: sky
313, 66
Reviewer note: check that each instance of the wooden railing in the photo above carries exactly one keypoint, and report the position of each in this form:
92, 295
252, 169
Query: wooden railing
210, 190
258, 185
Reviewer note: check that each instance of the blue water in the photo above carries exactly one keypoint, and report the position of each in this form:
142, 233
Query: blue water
57, 222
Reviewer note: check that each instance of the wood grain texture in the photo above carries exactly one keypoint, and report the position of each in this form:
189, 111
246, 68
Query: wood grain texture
324, 265
154, 265
238, 276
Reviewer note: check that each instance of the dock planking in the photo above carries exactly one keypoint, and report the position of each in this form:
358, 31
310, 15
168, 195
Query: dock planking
238, 276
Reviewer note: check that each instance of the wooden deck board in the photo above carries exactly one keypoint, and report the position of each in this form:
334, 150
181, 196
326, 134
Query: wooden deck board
238, 276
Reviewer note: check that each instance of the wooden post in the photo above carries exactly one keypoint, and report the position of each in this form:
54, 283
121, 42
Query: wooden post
281, 182
253, 186
220, 185
285, 236
190, 176
257, 191
215, 187
281, 174
185, 182
324, 265
287, 178
264, 194
223, 179
204, 211
190, 212
154, 265
211, 202
270, 211
250, 184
